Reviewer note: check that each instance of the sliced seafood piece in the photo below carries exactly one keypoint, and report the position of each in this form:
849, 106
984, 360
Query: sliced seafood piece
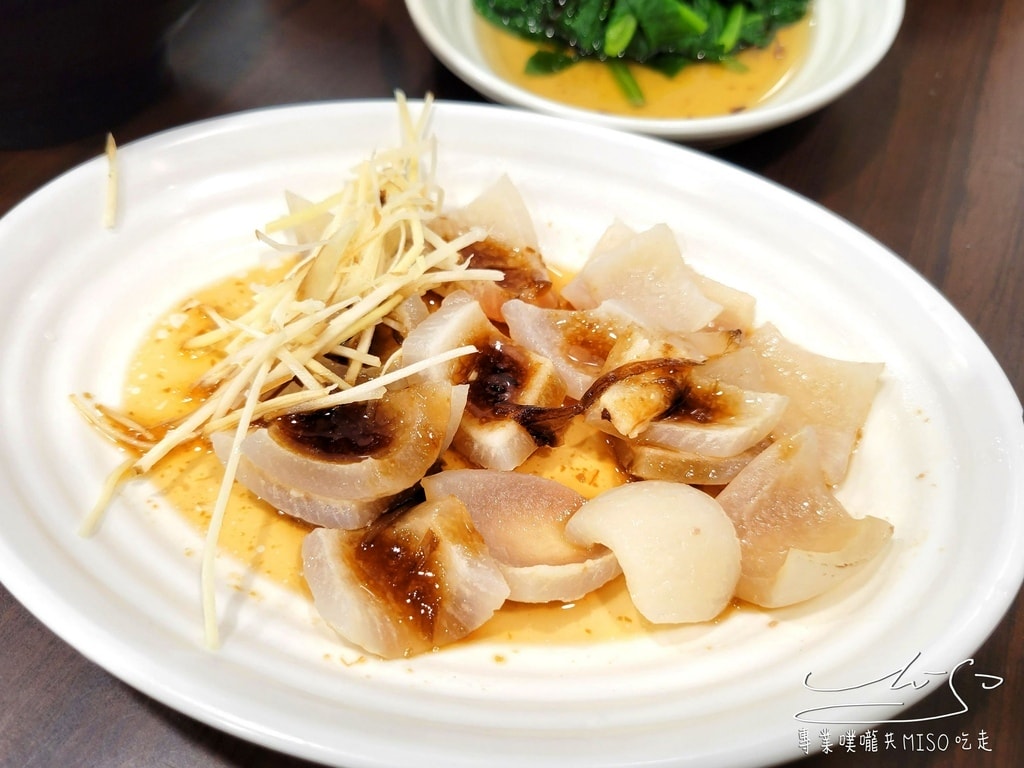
677, 547
655, 462
834, 396
355, 452
628, 399
525, 277
737, 421
543, 583
458, 321
313, 508
500, 372
741, 366
522, 519
797, 539
646, 274
500, 445
510, 246
330, 512
738, 307
501, 210
408, 315
576, 341
505, 373
667, 403
586, 343
638, 343
413, 581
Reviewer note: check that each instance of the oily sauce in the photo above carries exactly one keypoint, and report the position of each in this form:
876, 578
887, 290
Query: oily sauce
701, 90
158, 388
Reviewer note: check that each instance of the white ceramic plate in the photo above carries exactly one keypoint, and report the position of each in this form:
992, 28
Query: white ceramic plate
944, 442
849, 38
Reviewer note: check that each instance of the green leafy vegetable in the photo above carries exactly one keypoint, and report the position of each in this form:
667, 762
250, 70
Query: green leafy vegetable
549, 62
733, 26
665, 35
626, 82
619, 32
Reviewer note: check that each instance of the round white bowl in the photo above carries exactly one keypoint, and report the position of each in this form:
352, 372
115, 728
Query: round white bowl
849, 38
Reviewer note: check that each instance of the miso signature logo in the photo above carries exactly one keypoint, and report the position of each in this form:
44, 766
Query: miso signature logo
884, 692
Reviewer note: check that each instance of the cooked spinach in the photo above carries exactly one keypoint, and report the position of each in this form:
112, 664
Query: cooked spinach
666, 35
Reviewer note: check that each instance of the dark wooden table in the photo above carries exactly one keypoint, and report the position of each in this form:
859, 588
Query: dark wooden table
926, 155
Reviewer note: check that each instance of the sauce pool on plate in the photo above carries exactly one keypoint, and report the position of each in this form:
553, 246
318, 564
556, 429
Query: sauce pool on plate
699, 90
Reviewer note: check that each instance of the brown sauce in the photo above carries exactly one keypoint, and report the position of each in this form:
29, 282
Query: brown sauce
700, 90
525, 275
697, 402
498, 375
348, 432
403, 569
685, 398
588, 341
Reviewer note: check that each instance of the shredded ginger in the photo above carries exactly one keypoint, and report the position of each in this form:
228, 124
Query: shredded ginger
306, 342
110, 201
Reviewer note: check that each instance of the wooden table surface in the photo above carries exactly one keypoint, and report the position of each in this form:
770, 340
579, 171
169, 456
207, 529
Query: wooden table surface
926, 155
